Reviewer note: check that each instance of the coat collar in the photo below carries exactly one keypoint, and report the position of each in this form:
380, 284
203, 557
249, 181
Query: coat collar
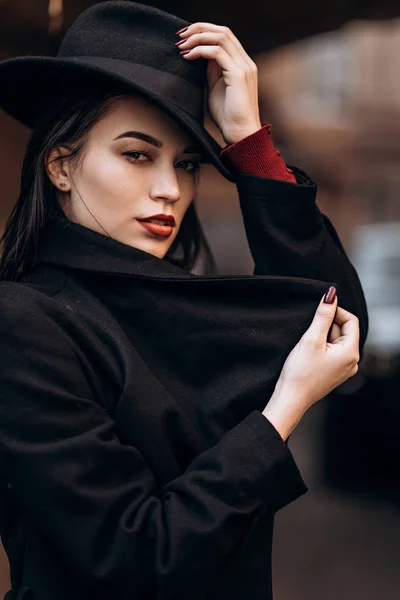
68, 244
217, 342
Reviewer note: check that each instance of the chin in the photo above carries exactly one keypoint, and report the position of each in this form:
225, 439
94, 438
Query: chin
156, 249
158, 252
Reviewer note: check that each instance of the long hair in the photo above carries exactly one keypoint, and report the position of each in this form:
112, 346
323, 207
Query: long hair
68, 124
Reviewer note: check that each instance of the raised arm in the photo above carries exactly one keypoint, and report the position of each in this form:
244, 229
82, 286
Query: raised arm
287, 233
289, 236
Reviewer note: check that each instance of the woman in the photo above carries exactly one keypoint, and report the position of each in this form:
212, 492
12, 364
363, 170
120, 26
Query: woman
144, 410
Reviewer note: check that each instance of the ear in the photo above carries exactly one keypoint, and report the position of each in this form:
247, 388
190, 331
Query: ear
58, 168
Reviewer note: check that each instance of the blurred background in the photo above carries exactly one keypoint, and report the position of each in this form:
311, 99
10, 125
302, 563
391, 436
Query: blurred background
329, 82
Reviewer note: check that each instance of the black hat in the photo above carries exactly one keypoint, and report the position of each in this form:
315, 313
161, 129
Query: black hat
116, 43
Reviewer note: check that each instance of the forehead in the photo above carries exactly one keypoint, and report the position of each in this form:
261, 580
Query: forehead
126, 114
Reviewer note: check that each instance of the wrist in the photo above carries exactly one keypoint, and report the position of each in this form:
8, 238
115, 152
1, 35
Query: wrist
241, 133
284, 411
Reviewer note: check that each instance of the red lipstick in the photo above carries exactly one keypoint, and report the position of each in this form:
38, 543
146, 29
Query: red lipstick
159, 225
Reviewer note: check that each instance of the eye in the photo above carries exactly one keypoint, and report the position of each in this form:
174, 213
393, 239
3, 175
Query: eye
133, 156
193, 164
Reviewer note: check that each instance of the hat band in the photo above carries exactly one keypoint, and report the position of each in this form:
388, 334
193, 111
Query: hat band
161, 84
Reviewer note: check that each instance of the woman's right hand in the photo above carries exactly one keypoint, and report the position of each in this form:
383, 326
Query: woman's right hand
316, 366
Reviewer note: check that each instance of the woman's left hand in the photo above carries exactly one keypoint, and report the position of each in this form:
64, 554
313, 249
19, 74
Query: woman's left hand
232, 79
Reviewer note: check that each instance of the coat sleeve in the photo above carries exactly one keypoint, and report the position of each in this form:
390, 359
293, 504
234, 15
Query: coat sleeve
289, 236
95, 500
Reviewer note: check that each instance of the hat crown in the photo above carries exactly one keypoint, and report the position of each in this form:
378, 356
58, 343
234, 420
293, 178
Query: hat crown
132, 32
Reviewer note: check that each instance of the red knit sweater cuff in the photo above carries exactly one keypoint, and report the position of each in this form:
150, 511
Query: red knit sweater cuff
256, 155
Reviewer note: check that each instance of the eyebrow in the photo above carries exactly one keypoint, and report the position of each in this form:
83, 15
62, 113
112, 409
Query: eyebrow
145, 137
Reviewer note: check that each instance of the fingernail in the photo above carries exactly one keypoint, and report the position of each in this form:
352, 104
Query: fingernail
184, 52
182, 30
330, 295
180, 42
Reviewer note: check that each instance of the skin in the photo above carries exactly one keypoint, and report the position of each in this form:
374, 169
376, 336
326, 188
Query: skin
315, 367
109, 190
120, 180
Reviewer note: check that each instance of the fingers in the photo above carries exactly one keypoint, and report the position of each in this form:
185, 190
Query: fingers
349, 326
344, 317
217, 53
209, 34
210, 39
213, 28
323, 319
335, 334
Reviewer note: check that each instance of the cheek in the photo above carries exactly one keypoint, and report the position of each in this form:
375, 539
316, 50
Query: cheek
182, 209
187, 202
108, 177
188, 190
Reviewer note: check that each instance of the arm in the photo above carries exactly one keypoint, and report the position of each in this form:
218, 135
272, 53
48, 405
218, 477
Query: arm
289, 236
256, 155
287, 233
69, 473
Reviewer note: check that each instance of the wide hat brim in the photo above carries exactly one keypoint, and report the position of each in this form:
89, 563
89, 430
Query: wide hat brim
27, 84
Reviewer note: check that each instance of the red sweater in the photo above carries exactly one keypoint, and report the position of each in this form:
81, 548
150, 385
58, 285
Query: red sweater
256, 155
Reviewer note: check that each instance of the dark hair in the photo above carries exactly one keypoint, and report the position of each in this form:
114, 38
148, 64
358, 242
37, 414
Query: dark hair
68, 124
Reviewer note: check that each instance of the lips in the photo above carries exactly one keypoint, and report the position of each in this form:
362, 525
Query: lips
158, 225
160, 220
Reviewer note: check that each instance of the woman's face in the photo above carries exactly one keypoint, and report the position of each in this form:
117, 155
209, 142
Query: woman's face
137, 163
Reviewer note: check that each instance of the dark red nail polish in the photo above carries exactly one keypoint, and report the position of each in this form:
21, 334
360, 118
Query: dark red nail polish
330, 295
180, 42
182, 30
184, 52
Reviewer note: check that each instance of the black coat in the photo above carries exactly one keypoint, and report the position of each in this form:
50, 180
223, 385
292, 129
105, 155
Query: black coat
135, 461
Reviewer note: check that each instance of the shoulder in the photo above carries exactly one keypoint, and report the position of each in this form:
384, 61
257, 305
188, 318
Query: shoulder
25, 312
72, 318
22, 296
39, 352
43, 298
61, 325
31, 338
32, 317
18, 300
40, 287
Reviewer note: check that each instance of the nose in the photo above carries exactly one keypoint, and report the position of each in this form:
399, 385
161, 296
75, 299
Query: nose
165, 186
